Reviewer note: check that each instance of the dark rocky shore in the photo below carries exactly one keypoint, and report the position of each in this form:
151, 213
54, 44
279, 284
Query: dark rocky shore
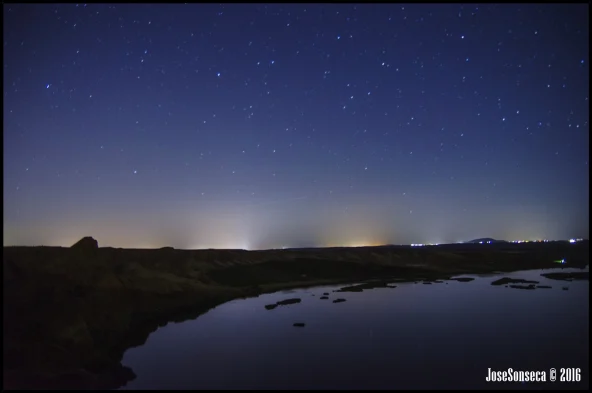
71, 313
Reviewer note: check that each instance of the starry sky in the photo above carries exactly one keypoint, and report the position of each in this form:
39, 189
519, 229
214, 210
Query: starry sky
294, 125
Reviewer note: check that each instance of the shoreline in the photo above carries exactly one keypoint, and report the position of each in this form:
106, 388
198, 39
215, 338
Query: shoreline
70, 314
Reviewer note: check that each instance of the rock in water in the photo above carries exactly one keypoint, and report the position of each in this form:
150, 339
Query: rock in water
288, 301
462, 279
86, 243
299, 324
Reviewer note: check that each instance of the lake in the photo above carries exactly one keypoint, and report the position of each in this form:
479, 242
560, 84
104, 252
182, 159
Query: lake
441, 336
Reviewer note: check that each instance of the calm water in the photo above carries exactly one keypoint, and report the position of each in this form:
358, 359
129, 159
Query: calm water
411, 336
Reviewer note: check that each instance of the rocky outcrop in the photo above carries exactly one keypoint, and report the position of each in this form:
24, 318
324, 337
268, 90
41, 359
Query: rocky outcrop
462, 279
87, 243
530, 286
567, 276
508, 280
283, 303
288, 301
365, 286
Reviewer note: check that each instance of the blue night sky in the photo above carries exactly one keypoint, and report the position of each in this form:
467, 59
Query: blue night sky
288, 125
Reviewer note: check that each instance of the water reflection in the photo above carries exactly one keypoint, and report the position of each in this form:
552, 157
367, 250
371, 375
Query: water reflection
444, 335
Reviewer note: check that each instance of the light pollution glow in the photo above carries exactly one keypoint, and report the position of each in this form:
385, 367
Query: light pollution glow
273, 227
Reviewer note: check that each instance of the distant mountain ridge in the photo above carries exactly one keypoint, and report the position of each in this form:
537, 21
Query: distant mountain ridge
486, 240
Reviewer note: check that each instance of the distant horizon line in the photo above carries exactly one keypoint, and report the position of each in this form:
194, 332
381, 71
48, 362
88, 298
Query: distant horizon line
571, 240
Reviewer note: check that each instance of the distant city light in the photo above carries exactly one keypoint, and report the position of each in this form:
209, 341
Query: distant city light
572, 241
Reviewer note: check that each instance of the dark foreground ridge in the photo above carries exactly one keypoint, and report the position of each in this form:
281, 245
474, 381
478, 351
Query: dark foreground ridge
71, 313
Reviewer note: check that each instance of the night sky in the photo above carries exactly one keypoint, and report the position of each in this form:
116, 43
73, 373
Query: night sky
294, 125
